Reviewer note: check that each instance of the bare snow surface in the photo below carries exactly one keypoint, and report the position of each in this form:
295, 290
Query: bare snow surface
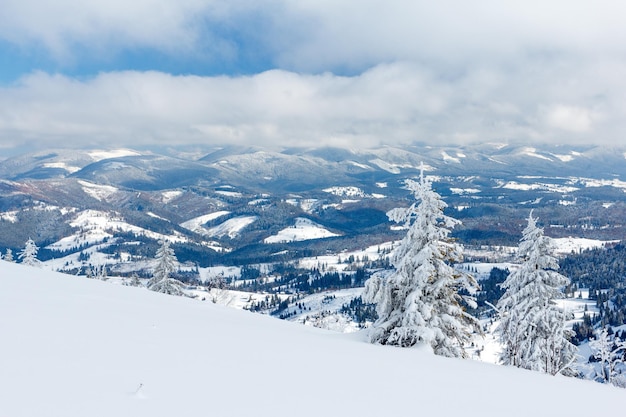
115, 153
74, 347
196, 224
97, 191
304, 229
96, 226
61, 165
231, 227
567, 245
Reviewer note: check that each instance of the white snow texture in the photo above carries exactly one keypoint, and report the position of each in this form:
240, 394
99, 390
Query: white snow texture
75, 347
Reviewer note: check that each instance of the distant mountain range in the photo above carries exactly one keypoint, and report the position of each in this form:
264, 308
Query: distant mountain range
237, 205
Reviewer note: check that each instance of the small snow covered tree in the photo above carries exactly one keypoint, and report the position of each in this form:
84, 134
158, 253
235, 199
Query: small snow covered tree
610, 355
98, 272
134, 281
216, 285
216, 281
532, 327
166, 264
419, 302
8, 256
28, 255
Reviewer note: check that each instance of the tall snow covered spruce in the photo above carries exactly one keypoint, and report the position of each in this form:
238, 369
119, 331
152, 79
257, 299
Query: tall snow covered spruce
532, 327
166, 264
419, 302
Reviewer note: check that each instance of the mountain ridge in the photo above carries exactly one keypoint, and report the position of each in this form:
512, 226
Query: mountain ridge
489, 187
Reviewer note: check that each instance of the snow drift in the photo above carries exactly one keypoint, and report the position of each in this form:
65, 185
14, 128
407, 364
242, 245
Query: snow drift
75, 347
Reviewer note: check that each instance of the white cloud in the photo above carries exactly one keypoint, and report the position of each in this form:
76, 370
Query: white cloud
274, 107
448, 32
390, 103
569, 118
446, 71
61, 24
322, 35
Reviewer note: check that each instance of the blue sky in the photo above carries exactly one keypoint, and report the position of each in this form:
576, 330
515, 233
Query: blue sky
304, 73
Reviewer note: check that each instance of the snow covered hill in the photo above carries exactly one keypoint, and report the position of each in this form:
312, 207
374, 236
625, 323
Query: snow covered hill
264, 193
74, 347
304, 229
196, 224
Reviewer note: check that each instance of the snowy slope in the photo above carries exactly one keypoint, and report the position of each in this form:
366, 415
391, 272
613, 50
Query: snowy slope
99, 155
97, 191
304, 229
95, 226
567, 245
231, 227
196, 224
74, 347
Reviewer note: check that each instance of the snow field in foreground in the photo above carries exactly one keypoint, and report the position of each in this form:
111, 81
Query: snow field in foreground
75, 347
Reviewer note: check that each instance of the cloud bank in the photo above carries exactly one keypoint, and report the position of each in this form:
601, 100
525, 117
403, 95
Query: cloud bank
315, 72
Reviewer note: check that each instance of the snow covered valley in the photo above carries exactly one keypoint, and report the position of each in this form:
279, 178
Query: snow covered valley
75, 347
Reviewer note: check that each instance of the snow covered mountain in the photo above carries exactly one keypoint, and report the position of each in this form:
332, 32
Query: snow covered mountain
74, 347
238, 205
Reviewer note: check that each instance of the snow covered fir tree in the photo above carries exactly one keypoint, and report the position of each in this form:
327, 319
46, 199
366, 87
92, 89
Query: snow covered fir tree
166, 264
609, 351
28, 255
532, 327
8, 256
420, 301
